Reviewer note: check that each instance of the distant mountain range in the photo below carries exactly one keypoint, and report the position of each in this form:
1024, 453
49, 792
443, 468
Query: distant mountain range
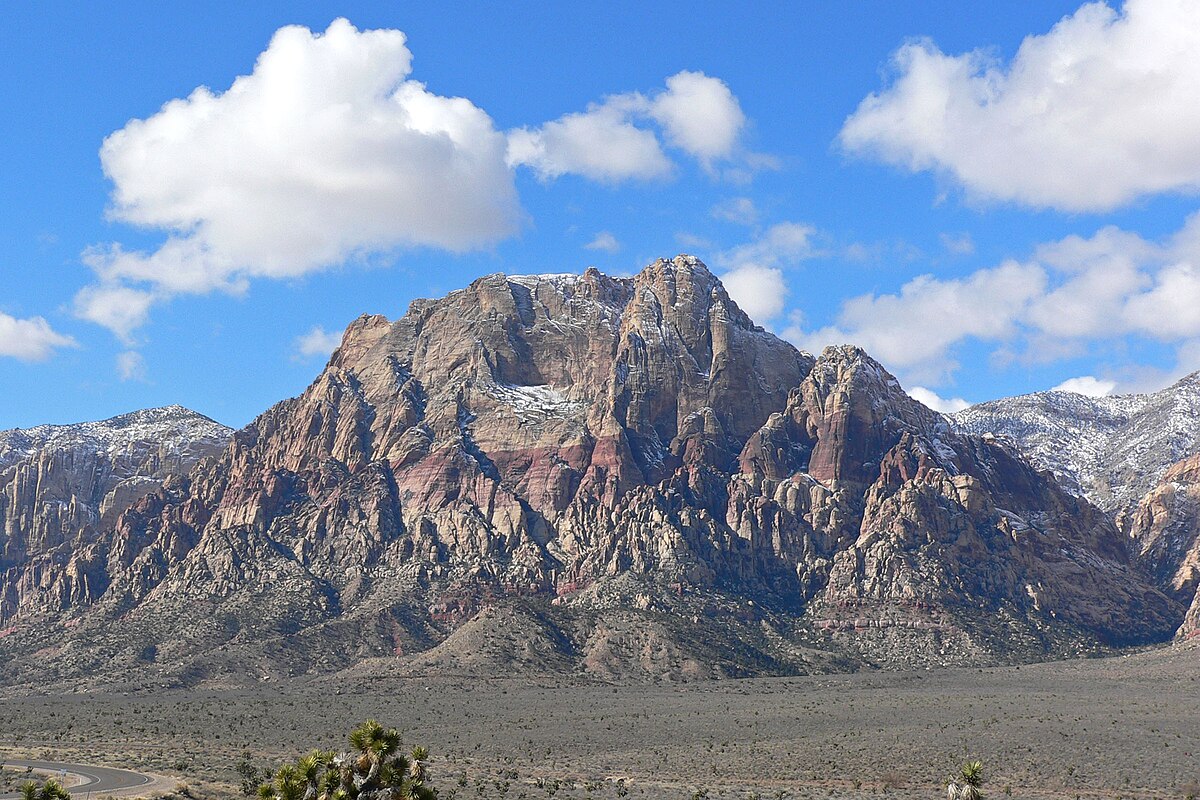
610, 477
60, 485
1137, 457
1110, 449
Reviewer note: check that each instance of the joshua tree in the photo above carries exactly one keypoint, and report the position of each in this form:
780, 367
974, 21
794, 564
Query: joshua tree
374, 769
50, 790
971, 776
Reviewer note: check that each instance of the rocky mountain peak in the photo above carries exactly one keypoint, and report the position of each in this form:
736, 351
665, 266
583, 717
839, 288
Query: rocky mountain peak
849, 370
853, 411
1110, 449
685, 281
598, 450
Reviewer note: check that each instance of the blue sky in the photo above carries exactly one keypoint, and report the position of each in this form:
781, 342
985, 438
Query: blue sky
992, 200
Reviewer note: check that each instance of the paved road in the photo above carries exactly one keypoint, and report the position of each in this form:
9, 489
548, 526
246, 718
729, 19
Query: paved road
92, 779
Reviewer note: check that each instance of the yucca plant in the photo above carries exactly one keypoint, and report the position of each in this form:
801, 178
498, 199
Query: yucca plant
968, 785
50, 790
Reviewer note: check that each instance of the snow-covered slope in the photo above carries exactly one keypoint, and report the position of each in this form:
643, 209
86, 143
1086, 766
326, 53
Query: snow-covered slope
172, 428
1110, 449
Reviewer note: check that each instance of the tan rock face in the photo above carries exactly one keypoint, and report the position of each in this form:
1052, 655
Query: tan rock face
1164, 529
595, 444
890, 514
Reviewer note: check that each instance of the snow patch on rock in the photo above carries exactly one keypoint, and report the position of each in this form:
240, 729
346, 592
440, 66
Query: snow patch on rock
536, 403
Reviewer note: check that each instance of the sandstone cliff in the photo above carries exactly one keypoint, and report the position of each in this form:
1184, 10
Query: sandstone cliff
630, 469
1164, 528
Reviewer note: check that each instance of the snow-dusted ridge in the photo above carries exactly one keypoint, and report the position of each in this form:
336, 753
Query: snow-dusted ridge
556, 278
60, 482
165, 425
171, 428
1110, 449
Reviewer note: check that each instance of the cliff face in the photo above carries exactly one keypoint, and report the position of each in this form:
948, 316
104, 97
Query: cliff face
1134, 456
60, 485
1164, 530
901, 526
619, 465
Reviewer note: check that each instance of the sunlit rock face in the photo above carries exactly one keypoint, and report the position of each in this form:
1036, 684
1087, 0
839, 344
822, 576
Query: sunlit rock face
617, 466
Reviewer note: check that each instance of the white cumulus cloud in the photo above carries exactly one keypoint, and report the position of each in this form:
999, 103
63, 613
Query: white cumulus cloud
30, 339
1116, 283
1087, 384
600, 143
914, 329
117, 307
1170, 309
782, 243
1072, 295
325, 151
317, 342
616, 139
1100, 110
759, 291
931, 399
699, 115
753, 272
1095, 279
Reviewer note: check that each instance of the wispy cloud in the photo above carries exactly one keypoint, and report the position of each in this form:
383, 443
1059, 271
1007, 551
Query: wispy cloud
131, 366
604, 241
317, 342
958, 244
30, 339
739, 210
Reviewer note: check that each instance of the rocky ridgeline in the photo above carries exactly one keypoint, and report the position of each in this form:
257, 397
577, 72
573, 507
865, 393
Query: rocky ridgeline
1110, 449
1134, 456
60, 485
582, 473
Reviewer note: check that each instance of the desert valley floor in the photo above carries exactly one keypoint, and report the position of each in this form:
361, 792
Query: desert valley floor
1121, 727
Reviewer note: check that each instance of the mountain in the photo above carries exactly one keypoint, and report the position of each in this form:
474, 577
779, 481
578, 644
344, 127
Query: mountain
61, 484
1164, 528
581, 473
923, 528
1110, 449
1135, 456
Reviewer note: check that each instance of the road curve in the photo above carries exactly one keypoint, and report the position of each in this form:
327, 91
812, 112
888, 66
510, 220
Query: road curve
93, 780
